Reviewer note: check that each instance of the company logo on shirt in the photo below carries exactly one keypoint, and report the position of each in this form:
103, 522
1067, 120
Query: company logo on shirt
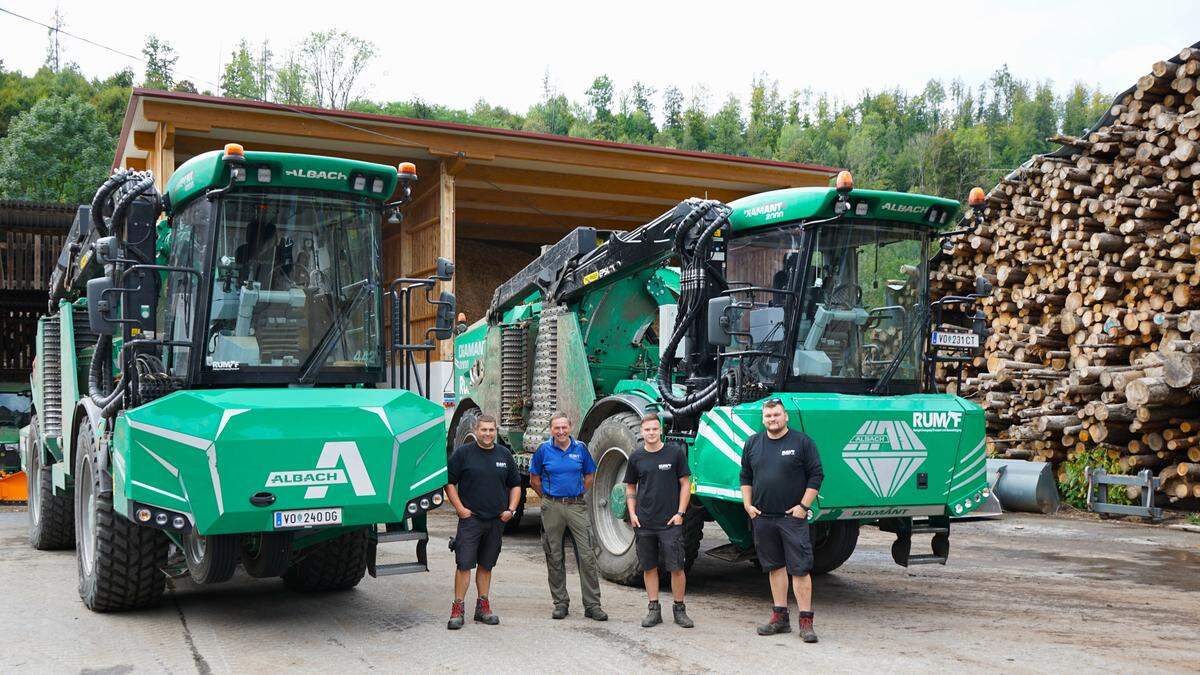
884, 454
502, 465
664, 467
787, 453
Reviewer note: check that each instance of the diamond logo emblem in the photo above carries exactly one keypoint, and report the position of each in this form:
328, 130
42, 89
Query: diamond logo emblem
884, 454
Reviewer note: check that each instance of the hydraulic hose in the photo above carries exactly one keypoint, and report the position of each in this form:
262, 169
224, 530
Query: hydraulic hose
102, 194
128, 195
691, 300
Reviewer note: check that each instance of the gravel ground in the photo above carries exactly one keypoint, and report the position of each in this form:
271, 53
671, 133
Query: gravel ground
1027, 593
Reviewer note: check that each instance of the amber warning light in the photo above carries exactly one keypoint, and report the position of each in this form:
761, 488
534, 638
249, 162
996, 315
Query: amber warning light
407, 171
977, 197
234, 150
845, 181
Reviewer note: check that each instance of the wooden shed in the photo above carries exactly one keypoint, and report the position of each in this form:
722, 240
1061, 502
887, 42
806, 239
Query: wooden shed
487, 198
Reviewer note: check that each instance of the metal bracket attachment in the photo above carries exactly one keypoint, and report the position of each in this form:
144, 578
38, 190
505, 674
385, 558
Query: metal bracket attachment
1097, 493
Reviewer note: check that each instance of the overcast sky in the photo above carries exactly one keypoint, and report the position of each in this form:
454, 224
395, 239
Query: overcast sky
456, 52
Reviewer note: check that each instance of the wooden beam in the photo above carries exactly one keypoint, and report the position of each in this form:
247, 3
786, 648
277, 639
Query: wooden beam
164, 153
506, 177
446, 234
560, 204
135, 163
143, 140
523, 235
511, 221
480, 144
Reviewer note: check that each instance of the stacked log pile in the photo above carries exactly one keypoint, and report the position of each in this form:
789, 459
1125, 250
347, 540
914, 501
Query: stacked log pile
1095, 311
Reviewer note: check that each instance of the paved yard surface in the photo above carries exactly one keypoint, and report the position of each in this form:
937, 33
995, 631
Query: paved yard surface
1026, 594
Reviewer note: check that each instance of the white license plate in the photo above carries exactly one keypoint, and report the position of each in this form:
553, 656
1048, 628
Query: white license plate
964, 340
307, 518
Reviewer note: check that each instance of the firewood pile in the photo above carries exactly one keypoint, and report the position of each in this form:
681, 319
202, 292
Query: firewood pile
1095, 312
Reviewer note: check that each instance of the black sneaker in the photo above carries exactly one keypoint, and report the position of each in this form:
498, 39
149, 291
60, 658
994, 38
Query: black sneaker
596, 614
653, 616
457, 610
483, 612
779, 623
560, 612
681, 618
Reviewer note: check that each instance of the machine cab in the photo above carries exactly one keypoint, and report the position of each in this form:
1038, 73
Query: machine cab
828, 291
286, 283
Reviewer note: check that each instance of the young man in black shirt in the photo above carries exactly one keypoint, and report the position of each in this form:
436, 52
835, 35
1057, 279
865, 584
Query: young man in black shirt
781, 473
657, 489
484, 487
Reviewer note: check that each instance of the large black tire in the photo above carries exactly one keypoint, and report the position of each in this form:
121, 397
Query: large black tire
611, 445
211, 559
693, 532
267, 555
464, 431
335, 564
120, 563
832, 544
51, 517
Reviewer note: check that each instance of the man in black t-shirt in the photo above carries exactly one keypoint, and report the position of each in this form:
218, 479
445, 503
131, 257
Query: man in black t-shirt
484, 487
781, 473
657, 489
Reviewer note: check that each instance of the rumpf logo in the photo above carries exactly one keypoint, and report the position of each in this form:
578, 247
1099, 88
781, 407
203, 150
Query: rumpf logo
884, 454
329, 471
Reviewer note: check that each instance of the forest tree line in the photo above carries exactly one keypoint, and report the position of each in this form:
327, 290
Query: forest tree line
941, 140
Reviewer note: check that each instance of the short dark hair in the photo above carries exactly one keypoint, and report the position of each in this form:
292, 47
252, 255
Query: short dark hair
485, 418
651, 417
773, 403
558, 414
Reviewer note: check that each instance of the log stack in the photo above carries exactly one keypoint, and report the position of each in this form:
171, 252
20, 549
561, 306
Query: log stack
1095, 313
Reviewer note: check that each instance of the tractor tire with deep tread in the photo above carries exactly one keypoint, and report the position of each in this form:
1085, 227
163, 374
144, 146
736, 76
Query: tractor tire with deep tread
693, 533
833, 547
51, 517
616, 554
120, 563
336, 564
270, 558
464, 431
212, 559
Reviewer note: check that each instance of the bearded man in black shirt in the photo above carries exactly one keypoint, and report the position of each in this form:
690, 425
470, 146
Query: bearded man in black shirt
781, 473
657, 489
484, 488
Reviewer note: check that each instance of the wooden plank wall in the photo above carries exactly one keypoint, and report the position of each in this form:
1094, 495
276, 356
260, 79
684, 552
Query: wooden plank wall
27, 258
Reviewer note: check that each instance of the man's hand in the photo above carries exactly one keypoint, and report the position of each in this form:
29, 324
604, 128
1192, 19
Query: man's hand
463, 512
633, 520
798, 511
675, 520
506, 516
752, 511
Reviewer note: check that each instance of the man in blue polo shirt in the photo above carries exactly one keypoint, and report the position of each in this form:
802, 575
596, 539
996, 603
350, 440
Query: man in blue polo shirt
561, 472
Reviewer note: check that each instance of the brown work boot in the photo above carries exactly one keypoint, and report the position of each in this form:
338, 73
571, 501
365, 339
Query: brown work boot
780, 623
457, 610
483, 612
806, 627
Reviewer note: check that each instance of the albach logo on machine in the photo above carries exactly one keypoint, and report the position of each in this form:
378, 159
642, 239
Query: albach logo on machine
884, 469
334, 455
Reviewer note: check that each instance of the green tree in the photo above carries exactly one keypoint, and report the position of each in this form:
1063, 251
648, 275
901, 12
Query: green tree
672, 117
239, 78
160, 63
599, 100
696, 134
292, 82
728, 129
334, 61
57, 151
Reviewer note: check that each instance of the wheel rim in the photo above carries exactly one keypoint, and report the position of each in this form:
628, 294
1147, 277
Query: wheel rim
33, 482
87, 547
195, 547
614, 534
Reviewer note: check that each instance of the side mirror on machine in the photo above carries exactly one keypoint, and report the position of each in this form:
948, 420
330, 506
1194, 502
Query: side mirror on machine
443, 328
99, 320
718, 321
983, 287
445, 270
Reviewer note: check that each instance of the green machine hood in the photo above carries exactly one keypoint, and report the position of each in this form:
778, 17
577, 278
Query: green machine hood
205, 453
782, 206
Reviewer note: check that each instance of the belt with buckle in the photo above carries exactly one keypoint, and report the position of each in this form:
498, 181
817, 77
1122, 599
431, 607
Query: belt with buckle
578, 499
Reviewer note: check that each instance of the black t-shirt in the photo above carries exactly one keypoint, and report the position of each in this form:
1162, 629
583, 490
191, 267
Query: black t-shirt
779, 470
483, 478
657, 475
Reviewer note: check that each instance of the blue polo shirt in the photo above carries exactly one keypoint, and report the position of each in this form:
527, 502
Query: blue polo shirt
562, 471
